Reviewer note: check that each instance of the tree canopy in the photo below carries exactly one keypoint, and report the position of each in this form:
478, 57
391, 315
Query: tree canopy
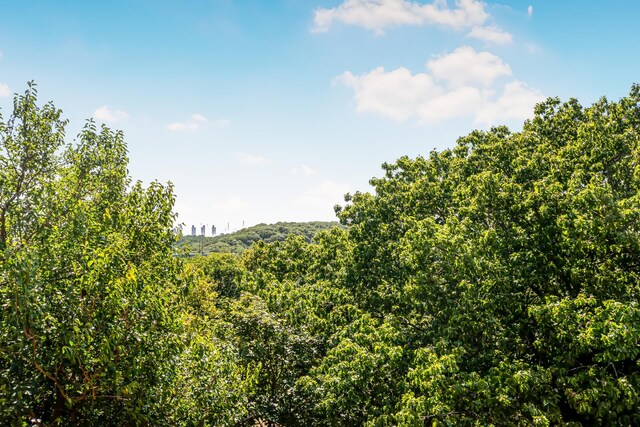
93, 329
495, 282
492, 283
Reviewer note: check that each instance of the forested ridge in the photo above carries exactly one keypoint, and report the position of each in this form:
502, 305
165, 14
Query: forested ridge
493, 283
240, 240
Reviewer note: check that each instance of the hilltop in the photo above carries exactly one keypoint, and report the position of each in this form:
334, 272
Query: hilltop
240, 240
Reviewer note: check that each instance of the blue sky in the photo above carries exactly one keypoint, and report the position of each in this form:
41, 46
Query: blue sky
260, 111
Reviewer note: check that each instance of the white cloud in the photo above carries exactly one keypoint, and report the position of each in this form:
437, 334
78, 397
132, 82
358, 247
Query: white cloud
516, 103
327, 194
251, 159
395, 94
530, 11
376, 15
192, 123
196, 121
5, 90
491, 35
107, 115
460, 101
304, 169
232, 204
466, 66
464, 83
198, 118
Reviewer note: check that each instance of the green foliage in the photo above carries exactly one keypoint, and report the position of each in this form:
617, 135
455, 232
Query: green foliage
92, 328
494, 283
223, 269
352, 383
278, 352
279, 323
511, 263
239, 241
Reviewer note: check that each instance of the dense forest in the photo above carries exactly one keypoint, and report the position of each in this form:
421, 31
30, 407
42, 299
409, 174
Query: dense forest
493, 283
240, 240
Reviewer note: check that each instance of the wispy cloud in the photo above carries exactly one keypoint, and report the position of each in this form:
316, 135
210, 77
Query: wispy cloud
530, 11
251, 159
192, 123
303, 169
491, 34
5, 90
221, 123
458, 84
377, 15
107, 115
533, 48
196, 121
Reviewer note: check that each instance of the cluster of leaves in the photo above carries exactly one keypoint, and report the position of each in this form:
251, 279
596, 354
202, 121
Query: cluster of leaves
96, 316
239, 241
494, 283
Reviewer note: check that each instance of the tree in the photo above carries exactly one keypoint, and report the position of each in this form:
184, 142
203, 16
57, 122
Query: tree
494, 283
510, 265
92, 326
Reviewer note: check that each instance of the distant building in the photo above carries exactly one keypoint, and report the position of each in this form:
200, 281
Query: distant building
213, 230
193, 230
202, 230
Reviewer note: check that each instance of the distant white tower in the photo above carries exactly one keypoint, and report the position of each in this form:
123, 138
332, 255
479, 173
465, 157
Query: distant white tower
213, 230
193, 230
203, 229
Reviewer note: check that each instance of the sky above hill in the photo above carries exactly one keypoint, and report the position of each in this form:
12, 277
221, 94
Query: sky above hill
264, 111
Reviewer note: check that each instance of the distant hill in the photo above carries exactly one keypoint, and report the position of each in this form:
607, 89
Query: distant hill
240, 240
